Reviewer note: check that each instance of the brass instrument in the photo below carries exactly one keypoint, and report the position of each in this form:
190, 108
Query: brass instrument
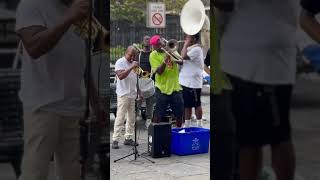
170, 47
81, 28
172, 44
138, 70
141, 73
193, 20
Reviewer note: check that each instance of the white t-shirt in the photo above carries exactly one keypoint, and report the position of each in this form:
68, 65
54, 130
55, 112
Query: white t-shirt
53, 81
126, 87
191, 70
259, 42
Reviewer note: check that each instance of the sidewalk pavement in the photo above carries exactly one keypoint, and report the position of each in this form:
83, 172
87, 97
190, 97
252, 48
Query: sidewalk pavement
170, 168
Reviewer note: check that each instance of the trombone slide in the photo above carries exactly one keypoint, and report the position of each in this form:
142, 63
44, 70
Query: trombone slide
173, 56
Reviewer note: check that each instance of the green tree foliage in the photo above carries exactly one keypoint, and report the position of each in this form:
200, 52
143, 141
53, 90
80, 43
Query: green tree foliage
135, 10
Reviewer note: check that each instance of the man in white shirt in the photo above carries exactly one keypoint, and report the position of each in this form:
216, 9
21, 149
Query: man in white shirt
190, 78
53, 67
126, 96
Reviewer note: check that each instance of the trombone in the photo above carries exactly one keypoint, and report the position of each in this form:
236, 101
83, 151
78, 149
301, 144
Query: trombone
170, 48
138, 70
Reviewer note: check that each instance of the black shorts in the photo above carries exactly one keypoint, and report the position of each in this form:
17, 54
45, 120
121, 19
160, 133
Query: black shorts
261, 112
191, 97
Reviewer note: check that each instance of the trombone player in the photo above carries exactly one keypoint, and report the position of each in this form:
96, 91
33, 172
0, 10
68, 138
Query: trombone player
168, 89
51, 86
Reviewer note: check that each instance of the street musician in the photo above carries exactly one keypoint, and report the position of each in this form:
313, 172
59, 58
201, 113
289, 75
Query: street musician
190, 78
168, 89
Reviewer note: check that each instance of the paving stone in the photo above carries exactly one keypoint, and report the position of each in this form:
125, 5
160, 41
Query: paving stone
196, 177
168, 168
151, 176
181, 169
7, 172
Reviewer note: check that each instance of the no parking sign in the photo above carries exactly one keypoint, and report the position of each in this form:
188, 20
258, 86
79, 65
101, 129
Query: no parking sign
156, 16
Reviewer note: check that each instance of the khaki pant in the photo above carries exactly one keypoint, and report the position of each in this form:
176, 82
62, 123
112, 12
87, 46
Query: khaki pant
46, 134
125, 106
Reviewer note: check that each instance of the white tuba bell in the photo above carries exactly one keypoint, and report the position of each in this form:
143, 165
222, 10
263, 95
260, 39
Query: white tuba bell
193, 19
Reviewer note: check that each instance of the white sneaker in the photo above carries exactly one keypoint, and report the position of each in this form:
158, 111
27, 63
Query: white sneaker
187, 123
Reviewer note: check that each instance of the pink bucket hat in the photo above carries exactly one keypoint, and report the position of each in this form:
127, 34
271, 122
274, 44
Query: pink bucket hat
154, 40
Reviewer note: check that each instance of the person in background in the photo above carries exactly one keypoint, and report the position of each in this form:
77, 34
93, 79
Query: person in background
144, 63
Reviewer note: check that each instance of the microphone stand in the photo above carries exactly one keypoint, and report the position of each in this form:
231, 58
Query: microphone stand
92, 134
84, 123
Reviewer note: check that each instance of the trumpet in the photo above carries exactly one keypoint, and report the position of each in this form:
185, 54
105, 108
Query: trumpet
141, 73
170, 47
82, 27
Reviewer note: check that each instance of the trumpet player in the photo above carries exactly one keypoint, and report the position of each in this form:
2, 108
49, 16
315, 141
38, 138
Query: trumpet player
190, 78
126, 95
168, 89
53, 65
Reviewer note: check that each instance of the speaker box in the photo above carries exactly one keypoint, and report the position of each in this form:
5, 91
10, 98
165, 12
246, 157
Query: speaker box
159, 140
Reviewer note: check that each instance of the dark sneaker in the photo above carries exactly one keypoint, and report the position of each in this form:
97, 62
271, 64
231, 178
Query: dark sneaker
130, 142
115, 145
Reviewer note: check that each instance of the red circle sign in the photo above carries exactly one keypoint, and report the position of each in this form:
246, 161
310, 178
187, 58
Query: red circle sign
157, 19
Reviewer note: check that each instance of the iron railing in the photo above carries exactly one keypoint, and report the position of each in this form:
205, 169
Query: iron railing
124, 34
